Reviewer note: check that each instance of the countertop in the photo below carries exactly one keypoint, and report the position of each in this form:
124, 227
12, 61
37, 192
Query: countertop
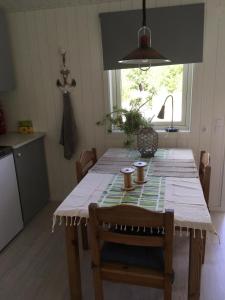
16, 140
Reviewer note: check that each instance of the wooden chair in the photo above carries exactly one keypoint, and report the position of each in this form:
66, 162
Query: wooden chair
204, 173
131, 257
87, 160
204, 176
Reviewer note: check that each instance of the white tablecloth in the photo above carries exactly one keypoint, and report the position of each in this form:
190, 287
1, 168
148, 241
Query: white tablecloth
183, 195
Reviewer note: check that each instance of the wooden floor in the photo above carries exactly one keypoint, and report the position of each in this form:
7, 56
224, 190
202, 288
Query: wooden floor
33, 267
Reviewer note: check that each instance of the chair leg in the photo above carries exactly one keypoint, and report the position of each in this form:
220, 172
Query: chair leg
168, 291
84, 234
203, 246
98, 284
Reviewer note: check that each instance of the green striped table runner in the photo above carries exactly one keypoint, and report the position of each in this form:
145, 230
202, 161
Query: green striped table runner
149, 195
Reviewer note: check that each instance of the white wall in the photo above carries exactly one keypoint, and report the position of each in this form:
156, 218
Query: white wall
36, 38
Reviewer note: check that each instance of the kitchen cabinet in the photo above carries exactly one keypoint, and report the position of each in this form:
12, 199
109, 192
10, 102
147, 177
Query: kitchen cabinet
32, 177
7, 75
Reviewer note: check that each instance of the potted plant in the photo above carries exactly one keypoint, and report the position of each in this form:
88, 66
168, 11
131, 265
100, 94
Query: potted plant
130, 121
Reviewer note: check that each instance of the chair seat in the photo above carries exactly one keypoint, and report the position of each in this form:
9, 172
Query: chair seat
147, 257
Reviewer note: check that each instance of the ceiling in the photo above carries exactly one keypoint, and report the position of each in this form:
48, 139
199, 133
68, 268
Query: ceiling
24, 5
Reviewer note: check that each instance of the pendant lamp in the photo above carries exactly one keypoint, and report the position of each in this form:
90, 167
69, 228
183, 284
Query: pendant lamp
144, 55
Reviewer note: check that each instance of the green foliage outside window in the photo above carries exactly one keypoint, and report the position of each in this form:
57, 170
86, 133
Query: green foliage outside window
151, 81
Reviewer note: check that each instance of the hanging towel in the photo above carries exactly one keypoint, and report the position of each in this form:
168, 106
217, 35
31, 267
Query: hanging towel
68, 130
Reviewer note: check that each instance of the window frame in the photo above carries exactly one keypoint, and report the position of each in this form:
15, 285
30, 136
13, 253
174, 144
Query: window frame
114, 87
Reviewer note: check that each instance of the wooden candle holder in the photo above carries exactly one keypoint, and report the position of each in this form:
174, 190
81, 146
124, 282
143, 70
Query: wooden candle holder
127, 178
140, 165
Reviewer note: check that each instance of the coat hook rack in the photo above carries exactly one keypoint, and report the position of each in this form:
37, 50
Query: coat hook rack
65, 85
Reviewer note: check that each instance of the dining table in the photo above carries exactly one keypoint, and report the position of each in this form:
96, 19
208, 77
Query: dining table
171, 182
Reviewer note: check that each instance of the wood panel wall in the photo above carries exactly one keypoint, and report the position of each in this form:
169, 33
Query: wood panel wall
36, 38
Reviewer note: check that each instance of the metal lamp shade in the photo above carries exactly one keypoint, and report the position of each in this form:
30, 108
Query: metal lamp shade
161, 114
144, 56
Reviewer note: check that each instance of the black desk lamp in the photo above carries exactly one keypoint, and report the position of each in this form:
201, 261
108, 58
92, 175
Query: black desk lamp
162, 113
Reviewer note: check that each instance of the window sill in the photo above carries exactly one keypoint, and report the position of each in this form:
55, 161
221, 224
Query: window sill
159, 131
179, 131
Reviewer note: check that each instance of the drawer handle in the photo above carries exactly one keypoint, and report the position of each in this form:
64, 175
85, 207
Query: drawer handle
19, 154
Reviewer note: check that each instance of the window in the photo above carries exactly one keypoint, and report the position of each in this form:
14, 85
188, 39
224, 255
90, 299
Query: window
152, 87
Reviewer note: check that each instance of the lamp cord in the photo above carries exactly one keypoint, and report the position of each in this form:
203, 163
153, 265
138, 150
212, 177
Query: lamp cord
144, 13
172, 113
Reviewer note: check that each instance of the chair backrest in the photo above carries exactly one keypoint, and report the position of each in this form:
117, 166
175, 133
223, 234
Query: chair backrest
128, 215
87, 159
205, 173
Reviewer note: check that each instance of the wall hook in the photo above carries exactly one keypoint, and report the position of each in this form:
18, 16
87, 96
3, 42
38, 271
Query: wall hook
65, 85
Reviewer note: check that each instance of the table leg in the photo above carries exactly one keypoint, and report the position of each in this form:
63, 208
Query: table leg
73, 260
195, 264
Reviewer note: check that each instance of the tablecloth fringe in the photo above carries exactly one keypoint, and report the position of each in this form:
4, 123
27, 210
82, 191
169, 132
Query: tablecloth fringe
76, 221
